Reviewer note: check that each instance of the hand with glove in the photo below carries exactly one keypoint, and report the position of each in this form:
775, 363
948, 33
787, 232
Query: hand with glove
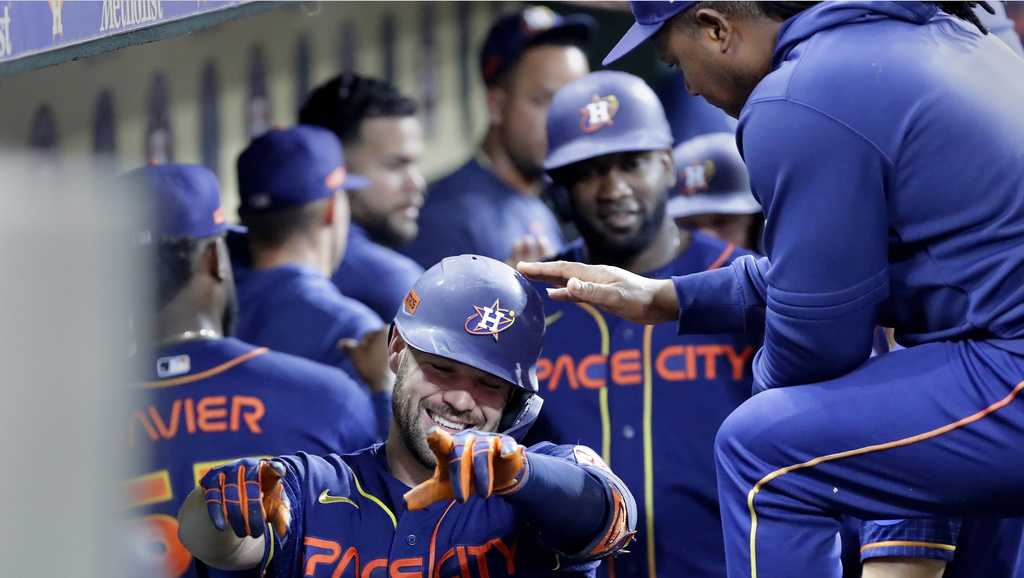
470, 463
247, 495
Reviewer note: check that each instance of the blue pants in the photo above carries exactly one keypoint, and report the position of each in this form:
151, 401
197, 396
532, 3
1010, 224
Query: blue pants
936, 429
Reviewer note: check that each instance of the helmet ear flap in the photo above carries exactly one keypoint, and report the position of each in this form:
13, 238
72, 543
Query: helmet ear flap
521, 411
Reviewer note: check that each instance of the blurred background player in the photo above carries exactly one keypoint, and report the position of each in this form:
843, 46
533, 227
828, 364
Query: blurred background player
383, 142
291, 184
464, 346
492, 204
211, 398
651, 400
712, 192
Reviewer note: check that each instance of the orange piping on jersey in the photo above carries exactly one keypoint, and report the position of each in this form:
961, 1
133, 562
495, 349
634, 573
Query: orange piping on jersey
861, 451
726, 253
908, 544
209, 372
431, 572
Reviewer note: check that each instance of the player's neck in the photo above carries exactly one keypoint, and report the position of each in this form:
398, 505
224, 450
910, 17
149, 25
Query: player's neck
495, 158
401, 463
297, 251
175, 325
668, 243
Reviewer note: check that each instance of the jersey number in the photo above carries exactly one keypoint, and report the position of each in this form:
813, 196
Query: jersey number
161, 536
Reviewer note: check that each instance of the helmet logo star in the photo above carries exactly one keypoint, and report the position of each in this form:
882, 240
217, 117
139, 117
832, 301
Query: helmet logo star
490, 320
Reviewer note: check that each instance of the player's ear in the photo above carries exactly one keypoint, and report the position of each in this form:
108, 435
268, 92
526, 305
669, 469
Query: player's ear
669, 166
329, 212
716, 28
496, 96
214, 261
395, 347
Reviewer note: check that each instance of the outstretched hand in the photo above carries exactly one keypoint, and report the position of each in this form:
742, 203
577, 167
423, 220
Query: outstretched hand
470, 463
617, 291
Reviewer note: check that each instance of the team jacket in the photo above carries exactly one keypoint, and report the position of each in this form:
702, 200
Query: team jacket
473, 211
375, 275
652, 402
210, 402
893, 188
348, 519
295, 310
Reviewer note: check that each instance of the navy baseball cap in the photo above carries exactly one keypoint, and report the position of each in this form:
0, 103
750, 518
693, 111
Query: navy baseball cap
650, 16
511, 35
711, 178
604, 112
187, 200
290, 167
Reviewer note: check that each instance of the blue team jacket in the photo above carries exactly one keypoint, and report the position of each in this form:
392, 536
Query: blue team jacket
375, 275
473, 211
296, 310
212, 401
887, 149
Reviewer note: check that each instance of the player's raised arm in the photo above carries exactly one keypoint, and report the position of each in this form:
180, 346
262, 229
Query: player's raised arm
225, 522
615, 290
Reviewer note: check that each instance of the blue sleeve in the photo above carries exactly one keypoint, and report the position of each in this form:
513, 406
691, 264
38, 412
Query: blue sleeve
575, 478
934, 538
823, 189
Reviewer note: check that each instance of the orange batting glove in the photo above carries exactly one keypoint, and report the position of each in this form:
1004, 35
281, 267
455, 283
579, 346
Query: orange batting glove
470, 463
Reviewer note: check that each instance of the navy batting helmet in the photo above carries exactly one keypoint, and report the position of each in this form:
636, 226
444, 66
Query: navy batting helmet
482, 313
712, 178
604, 112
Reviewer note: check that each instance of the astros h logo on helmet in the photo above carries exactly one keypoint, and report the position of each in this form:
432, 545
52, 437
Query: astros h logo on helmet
697, 177
598, 113
490, 320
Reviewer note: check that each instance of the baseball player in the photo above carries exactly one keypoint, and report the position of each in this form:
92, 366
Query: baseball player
651, 401
492, 204
383, 142
291, 184
211, 398
712, 192
451, 493
886, 206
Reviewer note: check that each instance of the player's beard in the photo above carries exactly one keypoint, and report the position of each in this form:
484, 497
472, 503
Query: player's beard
407, 418
605, 251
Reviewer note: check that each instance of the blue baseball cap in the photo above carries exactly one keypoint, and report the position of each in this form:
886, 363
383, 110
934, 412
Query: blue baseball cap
711, 178
187, 200
511, 35
290, 167
650, 16
604, 112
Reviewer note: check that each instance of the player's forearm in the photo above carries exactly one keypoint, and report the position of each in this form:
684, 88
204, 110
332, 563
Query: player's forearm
570, 507
726, 300
222, 550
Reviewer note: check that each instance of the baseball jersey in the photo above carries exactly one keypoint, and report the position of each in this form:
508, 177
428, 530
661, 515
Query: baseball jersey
375, 275
348, 519
209, 402
473, 211
299, 311
652, 402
